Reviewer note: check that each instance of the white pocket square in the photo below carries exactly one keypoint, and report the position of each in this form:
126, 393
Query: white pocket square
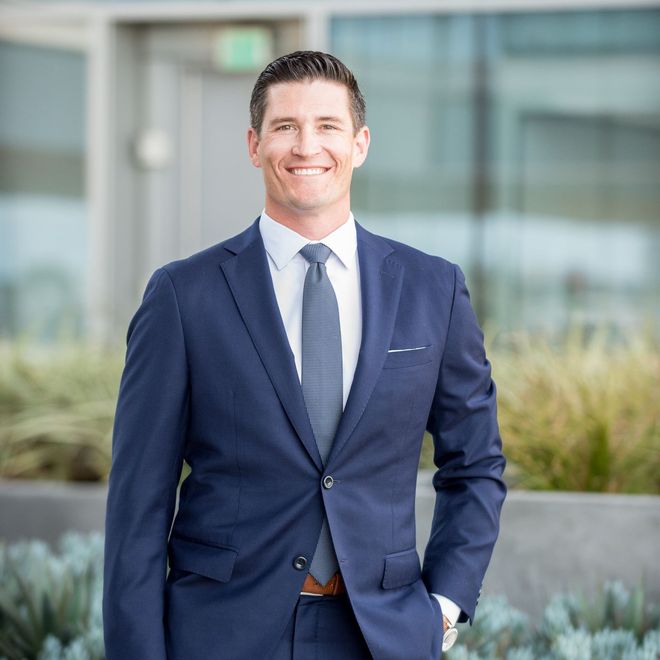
399, 350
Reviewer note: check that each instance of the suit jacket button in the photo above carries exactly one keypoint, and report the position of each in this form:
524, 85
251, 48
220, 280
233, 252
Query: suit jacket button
328, 482
299, 563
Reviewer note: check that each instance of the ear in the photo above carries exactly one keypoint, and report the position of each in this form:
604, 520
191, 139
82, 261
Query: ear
361, 146
253, 146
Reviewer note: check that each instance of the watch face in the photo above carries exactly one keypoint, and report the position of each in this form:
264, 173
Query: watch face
449, 639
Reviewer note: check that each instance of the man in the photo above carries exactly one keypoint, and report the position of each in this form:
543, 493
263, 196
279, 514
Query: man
295, 368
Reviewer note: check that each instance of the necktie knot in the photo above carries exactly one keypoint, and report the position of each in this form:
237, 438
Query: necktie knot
316, 252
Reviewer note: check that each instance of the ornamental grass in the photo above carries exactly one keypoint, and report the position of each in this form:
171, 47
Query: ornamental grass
578, 414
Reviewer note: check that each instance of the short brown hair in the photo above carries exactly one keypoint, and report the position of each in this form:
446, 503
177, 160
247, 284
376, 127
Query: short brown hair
305, 65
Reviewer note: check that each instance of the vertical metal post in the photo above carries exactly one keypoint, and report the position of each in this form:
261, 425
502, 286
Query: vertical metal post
481, 190
99, 181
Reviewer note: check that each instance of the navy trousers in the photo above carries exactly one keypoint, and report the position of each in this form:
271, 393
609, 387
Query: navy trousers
322, 628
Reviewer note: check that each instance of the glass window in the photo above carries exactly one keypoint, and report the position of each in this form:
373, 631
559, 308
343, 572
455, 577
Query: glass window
415, 73
525, 147
43, 244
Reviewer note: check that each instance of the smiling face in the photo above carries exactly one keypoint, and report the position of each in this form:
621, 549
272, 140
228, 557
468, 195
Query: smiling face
307, 148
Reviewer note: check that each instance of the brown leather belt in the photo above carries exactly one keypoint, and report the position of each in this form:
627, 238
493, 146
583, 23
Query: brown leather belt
334, 586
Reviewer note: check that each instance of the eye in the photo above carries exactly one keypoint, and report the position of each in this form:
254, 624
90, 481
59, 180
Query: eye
329, 127
285, 127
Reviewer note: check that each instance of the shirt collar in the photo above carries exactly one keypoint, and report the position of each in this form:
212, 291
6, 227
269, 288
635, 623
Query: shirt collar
282, 243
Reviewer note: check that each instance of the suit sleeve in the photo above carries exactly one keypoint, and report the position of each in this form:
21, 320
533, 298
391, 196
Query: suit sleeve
147, 452
469, 461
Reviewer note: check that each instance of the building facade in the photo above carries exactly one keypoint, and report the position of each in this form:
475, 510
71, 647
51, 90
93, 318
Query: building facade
522, 142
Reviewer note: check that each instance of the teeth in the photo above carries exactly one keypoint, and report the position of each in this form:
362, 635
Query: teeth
308, 171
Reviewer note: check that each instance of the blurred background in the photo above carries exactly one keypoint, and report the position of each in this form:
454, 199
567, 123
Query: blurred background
524, 145
518, 139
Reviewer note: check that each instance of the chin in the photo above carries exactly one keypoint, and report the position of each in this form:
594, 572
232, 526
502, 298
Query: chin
308, 204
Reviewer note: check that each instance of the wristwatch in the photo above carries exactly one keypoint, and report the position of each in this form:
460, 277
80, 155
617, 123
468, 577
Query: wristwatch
450, 634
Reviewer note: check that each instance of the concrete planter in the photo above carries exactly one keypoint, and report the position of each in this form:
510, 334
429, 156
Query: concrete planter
562, 541
549, 541
46, 509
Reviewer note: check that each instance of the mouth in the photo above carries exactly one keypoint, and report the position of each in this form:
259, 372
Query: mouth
307, 171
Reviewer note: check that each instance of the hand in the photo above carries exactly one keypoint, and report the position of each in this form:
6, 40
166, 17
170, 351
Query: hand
445, 623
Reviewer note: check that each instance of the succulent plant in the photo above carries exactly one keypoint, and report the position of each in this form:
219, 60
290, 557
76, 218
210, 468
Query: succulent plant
50, 609
616, 624
50, 603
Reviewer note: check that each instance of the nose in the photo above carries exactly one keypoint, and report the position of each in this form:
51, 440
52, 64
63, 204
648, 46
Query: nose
307, 143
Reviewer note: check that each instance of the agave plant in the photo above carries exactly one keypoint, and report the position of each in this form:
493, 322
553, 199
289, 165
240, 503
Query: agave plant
613, 608
50, 609
497, 627
617, 624
50, 604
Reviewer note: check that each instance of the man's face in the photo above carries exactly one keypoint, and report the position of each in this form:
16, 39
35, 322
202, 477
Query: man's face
307, 148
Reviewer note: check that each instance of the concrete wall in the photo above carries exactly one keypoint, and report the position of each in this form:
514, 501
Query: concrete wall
548, 541
45, 509
555, 541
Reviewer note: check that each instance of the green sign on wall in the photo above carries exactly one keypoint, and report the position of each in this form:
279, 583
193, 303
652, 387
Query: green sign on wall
245, 48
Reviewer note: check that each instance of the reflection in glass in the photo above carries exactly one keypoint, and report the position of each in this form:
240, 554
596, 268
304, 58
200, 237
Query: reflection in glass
43, 245
525, 147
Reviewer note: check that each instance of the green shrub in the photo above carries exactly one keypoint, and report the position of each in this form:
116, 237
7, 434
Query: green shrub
575, 415
580, 414
50, 609
56, 411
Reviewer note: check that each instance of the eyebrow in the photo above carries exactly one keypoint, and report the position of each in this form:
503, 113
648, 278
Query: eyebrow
335, 120
292, 120
281, 120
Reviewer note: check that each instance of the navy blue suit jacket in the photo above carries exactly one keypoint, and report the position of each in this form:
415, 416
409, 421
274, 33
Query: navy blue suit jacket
210, 378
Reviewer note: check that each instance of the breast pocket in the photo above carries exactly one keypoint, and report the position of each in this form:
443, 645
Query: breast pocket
408, 357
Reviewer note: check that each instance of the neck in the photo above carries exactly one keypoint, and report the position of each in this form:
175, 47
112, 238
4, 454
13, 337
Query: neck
310, 224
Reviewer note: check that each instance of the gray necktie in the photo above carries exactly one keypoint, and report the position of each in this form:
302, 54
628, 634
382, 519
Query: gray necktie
322, 382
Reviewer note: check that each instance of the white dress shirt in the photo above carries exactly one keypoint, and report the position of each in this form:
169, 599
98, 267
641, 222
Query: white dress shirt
288, 269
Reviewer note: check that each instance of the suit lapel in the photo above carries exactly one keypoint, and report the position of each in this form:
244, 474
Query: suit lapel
251, 284
380, 283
